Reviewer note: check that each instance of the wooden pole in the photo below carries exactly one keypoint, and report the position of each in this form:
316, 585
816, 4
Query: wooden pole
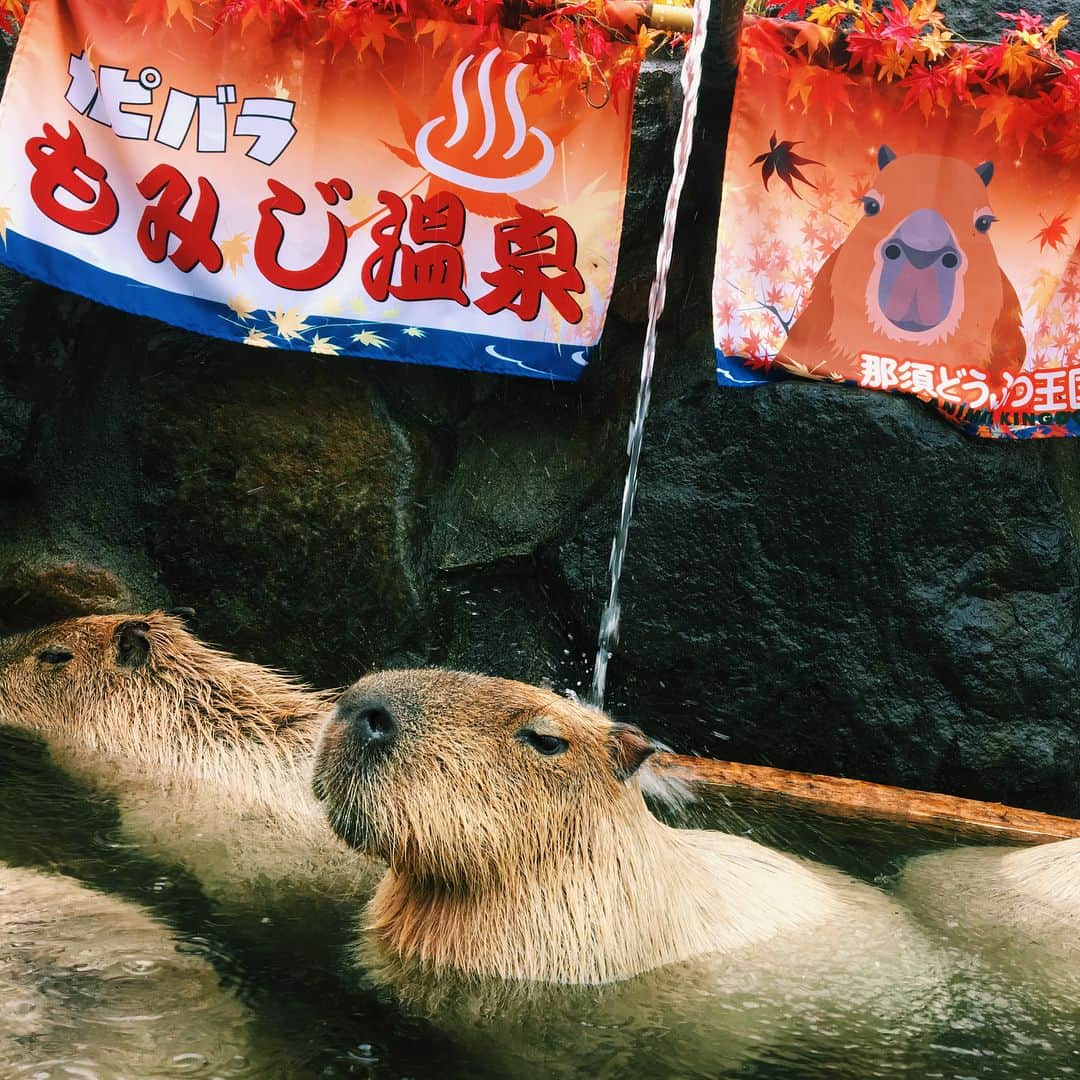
836, 797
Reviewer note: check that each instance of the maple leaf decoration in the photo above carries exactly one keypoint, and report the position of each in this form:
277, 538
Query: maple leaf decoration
234, 250
1053, 233
784, 162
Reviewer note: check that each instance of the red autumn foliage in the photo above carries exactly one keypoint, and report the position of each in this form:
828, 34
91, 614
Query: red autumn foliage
1022, 85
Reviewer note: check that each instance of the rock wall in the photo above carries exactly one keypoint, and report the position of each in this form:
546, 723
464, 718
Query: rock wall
817, 578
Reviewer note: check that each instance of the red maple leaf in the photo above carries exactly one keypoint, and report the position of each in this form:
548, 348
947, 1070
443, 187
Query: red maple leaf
898, 27
1067, 145
752, 345
764, 43
961, 68
831, 90
1052, 235
781, 160
758, 362
1025, 23
1070, 287
865, 48
927, 87
725, 311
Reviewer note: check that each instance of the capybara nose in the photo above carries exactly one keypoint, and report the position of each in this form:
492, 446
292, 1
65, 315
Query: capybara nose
369, 721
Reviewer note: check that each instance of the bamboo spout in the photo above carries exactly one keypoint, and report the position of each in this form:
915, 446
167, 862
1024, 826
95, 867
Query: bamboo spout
838, 797
675, 20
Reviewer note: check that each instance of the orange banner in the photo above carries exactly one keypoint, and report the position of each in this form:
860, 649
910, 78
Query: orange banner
871, 236
430, 200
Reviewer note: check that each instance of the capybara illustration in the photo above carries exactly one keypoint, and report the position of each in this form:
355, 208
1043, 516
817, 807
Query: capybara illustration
91, 985
1019, 908
520, 850
208, 757
917, 278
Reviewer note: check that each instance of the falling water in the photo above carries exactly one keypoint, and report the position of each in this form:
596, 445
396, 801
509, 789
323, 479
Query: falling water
691, 77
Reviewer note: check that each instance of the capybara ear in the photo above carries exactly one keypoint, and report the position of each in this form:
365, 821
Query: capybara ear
187, 615
133, 643
985, 169
630, 747
885, 154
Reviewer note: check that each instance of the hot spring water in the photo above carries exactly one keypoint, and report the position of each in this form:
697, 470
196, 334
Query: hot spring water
311, 1020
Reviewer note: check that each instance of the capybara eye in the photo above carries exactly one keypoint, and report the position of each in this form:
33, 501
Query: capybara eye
892, 251
548, 745
984, 221
950, 260
54, 655
870, 205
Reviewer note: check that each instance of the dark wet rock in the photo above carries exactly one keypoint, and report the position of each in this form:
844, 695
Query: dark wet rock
279, 504
829, 578
33, 593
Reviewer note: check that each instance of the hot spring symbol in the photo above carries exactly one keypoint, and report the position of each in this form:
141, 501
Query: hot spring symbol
472, 145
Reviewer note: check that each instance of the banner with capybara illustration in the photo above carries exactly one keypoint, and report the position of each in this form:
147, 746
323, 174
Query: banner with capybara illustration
900, 213
428, 193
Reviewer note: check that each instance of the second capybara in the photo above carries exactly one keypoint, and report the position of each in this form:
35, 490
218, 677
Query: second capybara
1019, 908
521, 853
208, 757
91, 985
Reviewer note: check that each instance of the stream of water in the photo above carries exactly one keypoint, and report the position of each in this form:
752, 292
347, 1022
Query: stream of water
691, 80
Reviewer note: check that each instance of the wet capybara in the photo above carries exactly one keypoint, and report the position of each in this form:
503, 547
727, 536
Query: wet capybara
91, 986
521, 852
207, 756
1019, 908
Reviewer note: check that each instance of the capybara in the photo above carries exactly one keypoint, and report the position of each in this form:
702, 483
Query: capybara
917, 279
521, 852
207, 756
1019, 908
91, 985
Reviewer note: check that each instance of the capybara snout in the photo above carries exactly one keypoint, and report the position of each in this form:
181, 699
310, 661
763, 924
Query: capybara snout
367, 720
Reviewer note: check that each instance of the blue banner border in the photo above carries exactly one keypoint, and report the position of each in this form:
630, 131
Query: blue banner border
400, 344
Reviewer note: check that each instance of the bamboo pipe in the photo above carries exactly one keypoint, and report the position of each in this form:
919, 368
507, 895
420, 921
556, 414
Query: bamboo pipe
842, 798
675, 20
631, 15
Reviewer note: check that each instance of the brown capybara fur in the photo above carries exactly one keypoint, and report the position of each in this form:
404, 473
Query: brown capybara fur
208, 756
917, 279
1019, 906
520, 847
91, 986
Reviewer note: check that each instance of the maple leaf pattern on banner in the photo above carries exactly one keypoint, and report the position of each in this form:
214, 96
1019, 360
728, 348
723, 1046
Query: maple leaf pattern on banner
1053, 232
234, 250
781, 160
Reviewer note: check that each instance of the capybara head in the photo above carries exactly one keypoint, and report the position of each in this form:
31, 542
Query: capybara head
140, 682
467, 781
922, 251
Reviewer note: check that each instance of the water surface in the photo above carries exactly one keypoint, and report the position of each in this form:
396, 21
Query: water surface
312, 1020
